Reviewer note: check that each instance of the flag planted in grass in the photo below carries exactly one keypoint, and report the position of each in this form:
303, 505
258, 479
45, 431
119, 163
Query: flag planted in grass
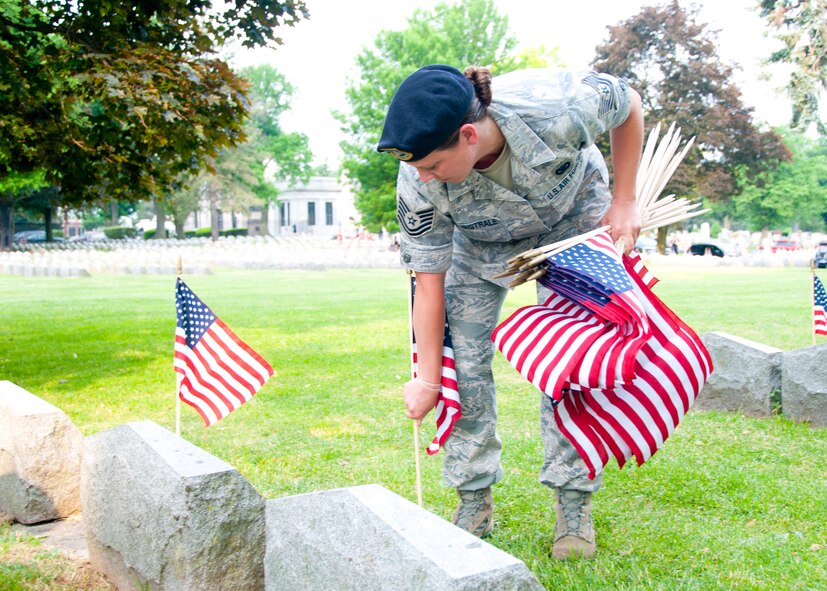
217, 371
819, 307
447, 408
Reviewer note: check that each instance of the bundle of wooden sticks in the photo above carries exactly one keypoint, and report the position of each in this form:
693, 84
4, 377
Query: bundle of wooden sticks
658, 163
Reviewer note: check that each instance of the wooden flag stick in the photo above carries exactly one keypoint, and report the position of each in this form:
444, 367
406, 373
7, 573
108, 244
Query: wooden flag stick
655, 170
670, 170
673, 220
417, 422
646, 158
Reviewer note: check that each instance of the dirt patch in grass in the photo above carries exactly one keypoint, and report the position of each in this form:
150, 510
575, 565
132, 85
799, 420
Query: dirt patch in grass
26, 564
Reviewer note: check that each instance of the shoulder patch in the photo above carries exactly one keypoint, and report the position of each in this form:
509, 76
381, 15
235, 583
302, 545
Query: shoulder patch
605, 89
414, 223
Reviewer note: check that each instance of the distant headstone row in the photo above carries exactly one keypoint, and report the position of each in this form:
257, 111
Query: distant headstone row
198, 256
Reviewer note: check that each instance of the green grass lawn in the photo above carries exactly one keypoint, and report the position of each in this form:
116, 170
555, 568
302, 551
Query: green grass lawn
728, 503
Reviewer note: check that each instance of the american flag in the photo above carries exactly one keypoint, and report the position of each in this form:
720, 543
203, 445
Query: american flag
447, 409
545, 342
593, 324
622, 389
217, 371
819, 307
636, 418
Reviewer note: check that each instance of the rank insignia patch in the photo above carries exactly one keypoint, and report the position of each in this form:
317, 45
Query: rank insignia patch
608, 99
414, 223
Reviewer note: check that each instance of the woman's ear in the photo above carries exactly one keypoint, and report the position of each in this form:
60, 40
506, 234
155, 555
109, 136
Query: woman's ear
469, 133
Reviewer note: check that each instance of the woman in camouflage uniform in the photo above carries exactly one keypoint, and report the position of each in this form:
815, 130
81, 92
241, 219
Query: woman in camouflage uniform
489, 169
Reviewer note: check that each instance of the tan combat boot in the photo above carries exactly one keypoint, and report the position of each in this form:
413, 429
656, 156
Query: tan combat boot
573, 530
475, 513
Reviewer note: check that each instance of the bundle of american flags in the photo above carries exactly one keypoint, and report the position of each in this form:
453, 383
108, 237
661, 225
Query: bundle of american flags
621, 367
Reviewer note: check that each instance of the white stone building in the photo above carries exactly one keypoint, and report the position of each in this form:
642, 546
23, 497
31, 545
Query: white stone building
322, 207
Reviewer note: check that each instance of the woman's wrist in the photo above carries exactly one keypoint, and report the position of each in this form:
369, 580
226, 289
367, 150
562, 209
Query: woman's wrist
430, 385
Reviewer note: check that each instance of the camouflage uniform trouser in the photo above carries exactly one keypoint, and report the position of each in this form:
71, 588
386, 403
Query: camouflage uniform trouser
474, 302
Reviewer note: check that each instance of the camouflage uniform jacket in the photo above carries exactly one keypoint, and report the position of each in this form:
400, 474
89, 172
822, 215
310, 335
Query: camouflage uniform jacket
550, 120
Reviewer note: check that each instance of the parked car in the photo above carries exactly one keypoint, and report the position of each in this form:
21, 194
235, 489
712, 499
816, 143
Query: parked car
820, 257
32, 236
783, 245
711, 248
645, 244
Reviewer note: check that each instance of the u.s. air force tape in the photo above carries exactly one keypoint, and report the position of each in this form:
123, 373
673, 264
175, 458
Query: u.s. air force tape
414, 223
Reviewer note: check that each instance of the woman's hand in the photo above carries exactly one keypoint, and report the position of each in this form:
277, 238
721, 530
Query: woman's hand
420, 397
624, 219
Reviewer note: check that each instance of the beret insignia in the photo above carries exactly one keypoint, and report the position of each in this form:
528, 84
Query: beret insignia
397, 153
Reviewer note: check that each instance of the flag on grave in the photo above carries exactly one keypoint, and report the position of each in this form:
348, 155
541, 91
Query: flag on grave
217, 371
819, 307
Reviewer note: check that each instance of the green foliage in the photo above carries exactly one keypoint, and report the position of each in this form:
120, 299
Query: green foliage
117, 99
239, 177
793, 193
16, 183
150, 234
802, 28
270, 95
120, 232
671, 58
288, 153
206, 232
14, 188
468, 32
233, 232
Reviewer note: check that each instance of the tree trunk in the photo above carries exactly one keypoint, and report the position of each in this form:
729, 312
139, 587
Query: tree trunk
6, 223
727, 222
213, 214
114, 214
265, 219
47, 222
160, 218
662, 233
179, 226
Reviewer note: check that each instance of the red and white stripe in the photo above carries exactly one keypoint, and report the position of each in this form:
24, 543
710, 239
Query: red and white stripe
448, 409
635, 419
219, 374
819, 320
545, 342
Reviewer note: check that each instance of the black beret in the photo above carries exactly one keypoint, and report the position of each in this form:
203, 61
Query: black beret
428, 107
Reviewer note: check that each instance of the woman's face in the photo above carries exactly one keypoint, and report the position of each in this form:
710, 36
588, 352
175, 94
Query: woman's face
448, 166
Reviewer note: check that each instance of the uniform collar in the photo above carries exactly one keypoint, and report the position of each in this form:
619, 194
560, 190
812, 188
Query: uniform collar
526, 146
527, 152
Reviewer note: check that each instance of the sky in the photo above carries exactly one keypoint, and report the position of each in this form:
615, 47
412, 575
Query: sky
319, 54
